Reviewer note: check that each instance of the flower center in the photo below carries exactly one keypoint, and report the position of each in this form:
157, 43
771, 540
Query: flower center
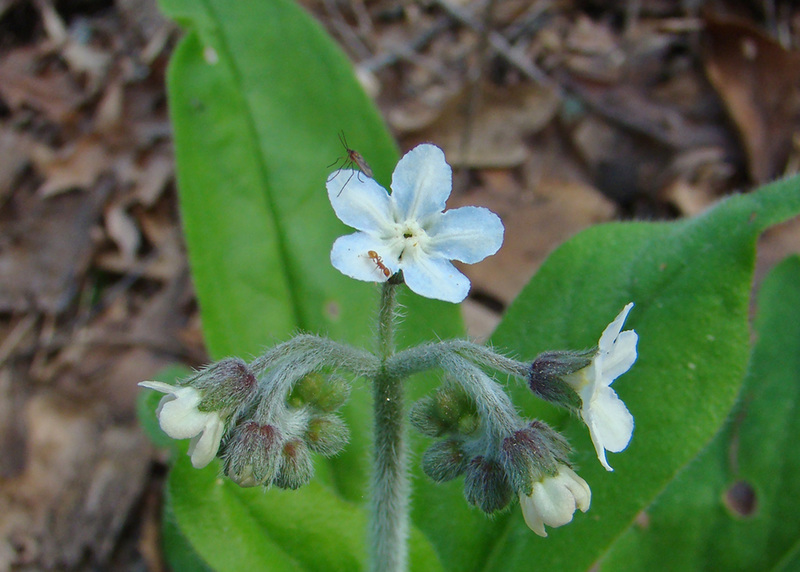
412, 239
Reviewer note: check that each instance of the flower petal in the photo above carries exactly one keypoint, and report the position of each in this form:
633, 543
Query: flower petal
578, 487
468, 234
349, 256
613, 329
159, 386
179, 417
359, 201
554, 502
531, 515
621, 358
435, 278
610, 423
421, 182
204, 447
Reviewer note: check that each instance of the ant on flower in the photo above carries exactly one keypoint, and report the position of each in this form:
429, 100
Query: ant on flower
351, 160
379, 263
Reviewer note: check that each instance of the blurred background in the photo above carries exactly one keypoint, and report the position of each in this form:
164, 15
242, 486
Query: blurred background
557, 115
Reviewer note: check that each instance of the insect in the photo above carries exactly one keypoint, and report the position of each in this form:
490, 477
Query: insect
379, 263
351, 160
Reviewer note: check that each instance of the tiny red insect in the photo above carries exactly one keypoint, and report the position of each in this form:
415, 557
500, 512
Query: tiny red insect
351, 160
379, 263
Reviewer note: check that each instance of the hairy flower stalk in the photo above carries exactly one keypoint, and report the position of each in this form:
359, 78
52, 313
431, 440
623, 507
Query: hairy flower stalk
390, 490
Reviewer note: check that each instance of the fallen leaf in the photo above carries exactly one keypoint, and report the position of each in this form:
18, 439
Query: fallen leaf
77, 166
122, 229
757, 80
26, 83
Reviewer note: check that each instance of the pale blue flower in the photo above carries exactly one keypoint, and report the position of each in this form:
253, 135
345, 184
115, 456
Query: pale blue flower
409, 229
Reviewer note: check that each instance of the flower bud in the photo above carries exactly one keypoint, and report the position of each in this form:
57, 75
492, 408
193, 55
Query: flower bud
547, 373
532, 453
486, 485
296, 468
326, 434
445, 460
252, 455
325, 392
449, 410
225, 385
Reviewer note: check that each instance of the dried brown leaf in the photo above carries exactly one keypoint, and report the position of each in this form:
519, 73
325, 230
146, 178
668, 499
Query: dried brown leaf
77, 166
24, 82
757, 80
123, 230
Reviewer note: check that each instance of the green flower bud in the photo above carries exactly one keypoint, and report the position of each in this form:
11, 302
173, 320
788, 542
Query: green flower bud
325, 392
486, 485
296, 468
326, 434
449, 410
445, 460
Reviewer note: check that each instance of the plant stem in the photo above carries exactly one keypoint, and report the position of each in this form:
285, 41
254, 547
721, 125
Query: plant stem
389, 517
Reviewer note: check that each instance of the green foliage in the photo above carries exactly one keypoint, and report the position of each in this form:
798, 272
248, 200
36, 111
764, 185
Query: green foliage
700, 512
258, 94
690, 281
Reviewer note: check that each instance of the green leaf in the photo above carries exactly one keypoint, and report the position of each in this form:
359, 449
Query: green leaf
690, 281
249, 529
258, 95
178, 551
756, 454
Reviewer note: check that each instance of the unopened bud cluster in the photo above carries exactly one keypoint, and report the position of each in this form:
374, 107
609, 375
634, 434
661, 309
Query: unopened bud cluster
263, 432
496, 468
275, 448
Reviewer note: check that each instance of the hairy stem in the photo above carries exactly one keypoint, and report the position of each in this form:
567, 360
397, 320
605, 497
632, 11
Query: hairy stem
389, 518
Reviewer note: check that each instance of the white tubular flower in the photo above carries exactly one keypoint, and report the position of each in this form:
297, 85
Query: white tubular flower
180, 418
609, 421
409, 230
554, 500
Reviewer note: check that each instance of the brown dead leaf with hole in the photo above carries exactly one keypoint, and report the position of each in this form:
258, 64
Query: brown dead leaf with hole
757, 80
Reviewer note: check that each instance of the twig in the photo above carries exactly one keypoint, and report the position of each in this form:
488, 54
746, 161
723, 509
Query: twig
501, 46
358, 47
378, 62
476, 80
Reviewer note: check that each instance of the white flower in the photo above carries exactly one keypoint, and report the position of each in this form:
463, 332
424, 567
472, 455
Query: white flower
180, 418
408, 229
609, 421
553, 500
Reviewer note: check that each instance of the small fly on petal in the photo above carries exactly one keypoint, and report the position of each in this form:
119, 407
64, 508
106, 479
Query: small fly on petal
379, 263
351, 160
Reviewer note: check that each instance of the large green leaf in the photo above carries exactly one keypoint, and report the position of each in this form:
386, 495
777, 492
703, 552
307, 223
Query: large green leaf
701, 512
690, 281
258, 95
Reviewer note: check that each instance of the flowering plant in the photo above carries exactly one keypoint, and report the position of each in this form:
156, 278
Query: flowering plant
260, 229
